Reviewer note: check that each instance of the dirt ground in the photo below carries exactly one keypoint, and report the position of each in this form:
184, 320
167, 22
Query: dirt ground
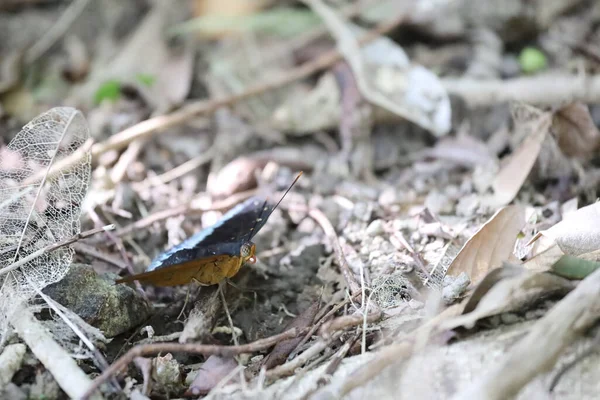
408, 188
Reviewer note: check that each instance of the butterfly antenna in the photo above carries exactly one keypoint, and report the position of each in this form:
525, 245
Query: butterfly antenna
264, 207
287, 191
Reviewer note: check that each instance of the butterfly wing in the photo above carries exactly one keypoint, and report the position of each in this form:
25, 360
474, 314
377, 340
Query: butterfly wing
207, 271
240, 224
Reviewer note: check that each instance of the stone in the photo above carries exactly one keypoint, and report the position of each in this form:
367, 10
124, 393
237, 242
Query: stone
114, 309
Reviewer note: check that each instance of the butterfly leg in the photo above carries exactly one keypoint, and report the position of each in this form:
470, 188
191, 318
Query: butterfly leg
222, 294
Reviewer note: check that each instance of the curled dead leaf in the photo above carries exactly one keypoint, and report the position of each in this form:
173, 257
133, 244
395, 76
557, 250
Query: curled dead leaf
511, 294
514, 171
576, 133
491, 245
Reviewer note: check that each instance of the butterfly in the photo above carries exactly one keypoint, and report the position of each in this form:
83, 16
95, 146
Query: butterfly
214, 253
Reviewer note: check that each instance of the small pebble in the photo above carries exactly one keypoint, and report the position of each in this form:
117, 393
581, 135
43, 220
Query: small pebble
509, 318
375, 228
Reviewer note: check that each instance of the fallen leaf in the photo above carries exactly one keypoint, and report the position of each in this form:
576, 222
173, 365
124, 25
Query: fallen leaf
511, 294
285, 347
386, 77
488, 282
543, 260
462, 150
491, 245
214, 369
516, 168
575, 130
578, 232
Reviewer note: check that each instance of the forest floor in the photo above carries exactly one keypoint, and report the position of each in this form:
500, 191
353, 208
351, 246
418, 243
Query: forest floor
442, 241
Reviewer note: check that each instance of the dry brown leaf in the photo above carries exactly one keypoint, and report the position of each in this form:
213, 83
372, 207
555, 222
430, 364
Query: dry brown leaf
511, 294
575, 130
214, 369
491, 245
515, 170
544, 260
283, 349
488, 282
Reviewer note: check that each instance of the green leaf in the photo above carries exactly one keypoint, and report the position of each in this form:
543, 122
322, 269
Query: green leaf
571, 267
146, 79
109, 90
532, 60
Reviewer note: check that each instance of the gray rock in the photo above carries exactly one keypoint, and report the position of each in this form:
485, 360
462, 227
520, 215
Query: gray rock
113, 309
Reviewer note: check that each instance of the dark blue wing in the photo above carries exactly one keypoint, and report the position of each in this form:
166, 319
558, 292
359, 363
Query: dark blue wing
236, 227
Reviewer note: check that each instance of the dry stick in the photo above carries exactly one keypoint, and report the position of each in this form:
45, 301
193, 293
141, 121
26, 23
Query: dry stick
204, 349
548, 90
56, 31
322, 220
57, 361
542, 346
176, 172
92, 251
349, 321
289, 367
320, 321
53, 247
193, 110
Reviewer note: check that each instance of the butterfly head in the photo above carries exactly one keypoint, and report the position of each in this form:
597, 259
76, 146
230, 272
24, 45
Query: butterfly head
247, 252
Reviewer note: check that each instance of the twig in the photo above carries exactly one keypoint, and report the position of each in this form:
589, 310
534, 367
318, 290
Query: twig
348, 321
57, 361
164, 122
319, 321
544, 343
57, 31
289, 367
322, 220
205, 349
96, 253
53, 247
159, 339
99, 358
176, 172
543, 90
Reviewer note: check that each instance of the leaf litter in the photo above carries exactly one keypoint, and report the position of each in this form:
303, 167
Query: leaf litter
394, 230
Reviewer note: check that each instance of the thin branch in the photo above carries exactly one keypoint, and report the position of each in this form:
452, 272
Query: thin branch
92, 251
61, 26
54, 246
289, 367
196, 348
542, 90
57, 361
322, 220
163, 122
348, 321
176, 172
